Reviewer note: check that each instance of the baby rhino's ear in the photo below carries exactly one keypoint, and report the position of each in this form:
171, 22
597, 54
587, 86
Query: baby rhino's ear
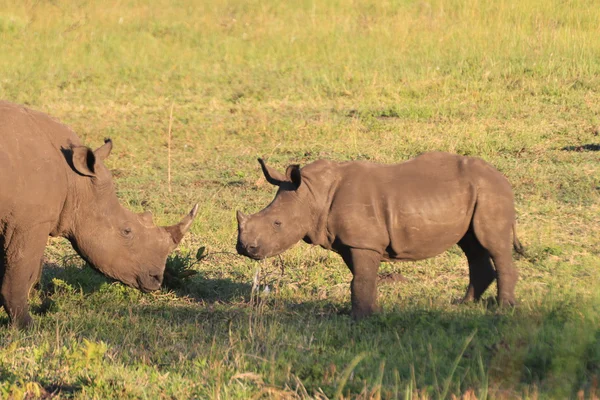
293, 174
103, 151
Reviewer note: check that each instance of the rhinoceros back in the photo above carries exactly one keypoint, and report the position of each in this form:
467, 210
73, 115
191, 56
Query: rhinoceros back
33, 182
413, 210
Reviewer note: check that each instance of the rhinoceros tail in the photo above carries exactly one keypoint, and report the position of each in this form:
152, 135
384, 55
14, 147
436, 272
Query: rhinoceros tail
516, 243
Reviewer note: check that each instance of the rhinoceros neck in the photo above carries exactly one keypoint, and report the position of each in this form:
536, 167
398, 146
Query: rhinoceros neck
74, 186
322, 185
72, 202
72, 211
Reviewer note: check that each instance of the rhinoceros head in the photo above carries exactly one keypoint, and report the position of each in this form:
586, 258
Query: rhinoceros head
119, 243
282, 223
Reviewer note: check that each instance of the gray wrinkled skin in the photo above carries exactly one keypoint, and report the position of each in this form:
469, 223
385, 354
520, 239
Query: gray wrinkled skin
52, 185
370, 213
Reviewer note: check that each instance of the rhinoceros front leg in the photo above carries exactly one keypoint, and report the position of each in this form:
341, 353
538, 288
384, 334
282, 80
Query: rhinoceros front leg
22, 267
364, 265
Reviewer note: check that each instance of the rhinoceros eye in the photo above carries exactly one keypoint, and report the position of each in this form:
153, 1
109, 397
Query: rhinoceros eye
277, 223
126, 232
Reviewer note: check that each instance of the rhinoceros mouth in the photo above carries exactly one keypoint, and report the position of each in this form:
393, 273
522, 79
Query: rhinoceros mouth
254, 257
248, 252
148, 284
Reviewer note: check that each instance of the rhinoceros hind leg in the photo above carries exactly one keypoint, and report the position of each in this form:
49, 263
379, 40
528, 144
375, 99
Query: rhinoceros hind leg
481, 271
364, 265
22, 269
507, 277
493, 229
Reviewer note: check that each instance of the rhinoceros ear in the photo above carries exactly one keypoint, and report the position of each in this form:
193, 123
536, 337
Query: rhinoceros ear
271, 175
84, 160
103, 151
293, 174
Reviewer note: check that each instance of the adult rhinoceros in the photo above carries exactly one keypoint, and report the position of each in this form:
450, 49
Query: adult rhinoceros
52, 185
370, 213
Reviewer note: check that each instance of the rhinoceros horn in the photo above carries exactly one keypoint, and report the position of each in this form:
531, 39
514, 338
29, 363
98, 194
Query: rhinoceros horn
177, 231
272, 176
241, 218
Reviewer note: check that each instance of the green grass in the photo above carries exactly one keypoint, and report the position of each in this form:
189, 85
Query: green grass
514, 82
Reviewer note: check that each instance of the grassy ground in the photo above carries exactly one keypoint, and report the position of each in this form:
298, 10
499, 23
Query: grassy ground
514, 82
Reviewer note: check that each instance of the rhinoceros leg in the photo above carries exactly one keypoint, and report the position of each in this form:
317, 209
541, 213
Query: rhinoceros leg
492, 224
481, 272
22, 261
364, 265
507, 276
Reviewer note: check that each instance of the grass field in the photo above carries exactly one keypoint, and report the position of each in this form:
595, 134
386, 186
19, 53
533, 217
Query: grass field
514, 82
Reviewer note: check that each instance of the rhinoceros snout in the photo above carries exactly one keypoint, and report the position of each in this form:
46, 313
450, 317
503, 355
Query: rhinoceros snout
250, 251
149, 282
157, 279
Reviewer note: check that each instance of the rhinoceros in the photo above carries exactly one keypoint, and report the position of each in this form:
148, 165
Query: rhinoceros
369, 212
50, 184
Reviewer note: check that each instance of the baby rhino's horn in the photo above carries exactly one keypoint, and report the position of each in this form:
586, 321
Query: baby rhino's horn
240, 217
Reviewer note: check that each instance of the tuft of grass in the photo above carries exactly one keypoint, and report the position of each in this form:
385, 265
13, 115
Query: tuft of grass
179, 268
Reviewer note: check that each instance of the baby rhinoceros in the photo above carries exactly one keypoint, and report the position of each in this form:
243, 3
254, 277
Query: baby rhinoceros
52, 185
370, 213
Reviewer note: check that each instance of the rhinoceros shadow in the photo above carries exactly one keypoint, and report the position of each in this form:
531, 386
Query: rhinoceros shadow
83, 277
72, 273
6, 374
51, 390
69, 274
583, 147
210, 290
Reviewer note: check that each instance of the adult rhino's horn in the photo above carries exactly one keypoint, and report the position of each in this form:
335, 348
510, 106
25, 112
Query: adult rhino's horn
177, 231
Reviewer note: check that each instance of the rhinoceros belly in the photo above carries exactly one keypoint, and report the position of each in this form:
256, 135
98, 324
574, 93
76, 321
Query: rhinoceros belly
429, 221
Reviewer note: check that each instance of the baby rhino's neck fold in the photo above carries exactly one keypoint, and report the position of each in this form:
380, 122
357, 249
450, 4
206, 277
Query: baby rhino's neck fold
322, 197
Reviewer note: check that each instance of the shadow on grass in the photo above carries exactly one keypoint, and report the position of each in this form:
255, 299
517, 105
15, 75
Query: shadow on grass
210, 290
61, 390
88, 280
553, 345
549, 346
6, 374
516, 349
181, 278
583, 147
47, 391
78, 276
